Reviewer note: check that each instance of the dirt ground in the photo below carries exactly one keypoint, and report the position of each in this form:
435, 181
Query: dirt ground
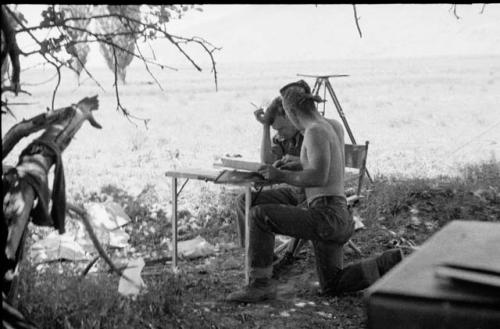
298, 303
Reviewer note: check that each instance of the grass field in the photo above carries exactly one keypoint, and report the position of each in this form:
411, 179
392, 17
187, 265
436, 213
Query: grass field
424, 118
421, 116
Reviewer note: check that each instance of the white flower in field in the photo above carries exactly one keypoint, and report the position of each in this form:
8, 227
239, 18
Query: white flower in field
324, 314
415, 221
284, 314
413, 210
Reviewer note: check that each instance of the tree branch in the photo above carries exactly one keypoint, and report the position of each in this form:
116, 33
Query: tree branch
482, 8
58, 68
356, 19
11, 47
95, 241
453, 8
150, 26
119, 106
47, 119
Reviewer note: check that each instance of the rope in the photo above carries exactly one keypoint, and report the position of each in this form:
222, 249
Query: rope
474, 138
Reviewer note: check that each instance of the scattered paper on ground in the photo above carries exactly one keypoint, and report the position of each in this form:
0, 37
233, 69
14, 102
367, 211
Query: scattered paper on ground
106, 220
358, 221
109, 215
133, 272
57, 246
194, 248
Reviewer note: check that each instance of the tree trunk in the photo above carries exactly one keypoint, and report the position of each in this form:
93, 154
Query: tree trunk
35, 161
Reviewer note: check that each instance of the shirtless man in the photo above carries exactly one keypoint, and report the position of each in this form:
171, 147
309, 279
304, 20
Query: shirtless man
282, 151
326, 220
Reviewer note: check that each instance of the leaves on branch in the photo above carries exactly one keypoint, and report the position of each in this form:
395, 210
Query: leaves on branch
77, 47
72, 28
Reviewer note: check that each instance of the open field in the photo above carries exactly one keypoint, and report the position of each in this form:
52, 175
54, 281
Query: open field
421, 116
424, 118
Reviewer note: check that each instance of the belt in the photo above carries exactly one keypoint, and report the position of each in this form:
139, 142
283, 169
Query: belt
327, 200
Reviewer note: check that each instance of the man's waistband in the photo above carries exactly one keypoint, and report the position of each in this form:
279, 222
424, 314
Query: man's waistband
327, 200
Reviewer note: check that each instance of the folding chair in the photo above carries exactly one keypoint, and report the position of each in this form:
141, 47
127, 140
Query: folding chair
355, 158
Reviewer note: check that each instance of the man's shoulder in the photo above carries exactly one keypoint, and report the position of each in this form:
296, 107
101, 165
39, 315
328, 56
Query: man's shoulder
318, 129
335, 124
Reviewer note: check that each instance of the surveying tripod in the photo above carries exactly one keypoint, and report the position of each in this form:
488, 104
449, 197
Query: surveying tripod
323, 80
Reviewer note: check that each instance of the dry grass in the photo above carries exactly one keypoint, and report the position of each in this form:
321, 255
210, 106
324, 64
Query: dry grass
417, 115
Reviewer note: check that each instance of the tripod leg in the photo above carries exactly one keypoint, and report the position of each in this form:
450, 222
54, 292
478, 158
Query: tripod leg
317, 85
339, 110
344, 119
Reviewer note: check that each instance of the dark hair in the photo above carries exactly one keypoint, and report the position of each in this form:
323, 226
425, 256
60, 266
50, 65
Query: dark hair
299, 94
277, 106
274, 109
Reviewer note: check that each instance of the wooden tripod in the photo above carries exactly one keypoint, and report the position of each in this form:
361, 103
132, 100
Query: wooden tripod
323, 81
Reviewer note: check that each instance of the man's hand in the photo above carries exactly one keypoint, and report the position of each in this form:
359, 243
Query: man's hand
268, 116
292, 166
271, 173
288, 162
260, 116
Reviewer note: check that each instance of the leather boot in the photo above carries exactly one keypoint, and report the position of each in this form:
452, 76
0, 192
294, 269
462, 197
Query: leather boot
388, 260
258, 290
283, 264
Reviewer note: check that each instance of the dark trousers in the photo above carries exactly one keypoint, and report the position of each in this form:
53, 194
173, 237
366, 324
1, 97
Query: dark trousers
328, 223
284, 195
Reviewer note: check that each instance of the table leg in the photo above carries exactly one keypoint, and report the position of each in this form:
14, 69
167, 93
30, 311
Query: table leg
174, 223
248, 201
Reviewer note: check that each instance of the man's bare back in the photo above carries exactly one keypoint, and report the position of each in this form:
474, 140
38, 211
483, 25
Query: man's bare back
322, 148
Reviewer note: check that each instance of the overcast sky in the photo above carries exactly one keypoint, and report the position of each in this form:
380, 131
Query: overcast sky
249, 33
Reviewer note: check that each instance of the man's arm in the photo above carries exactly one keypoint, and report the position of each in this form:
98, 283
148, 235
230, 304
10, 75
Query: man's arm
315, 171
266, 150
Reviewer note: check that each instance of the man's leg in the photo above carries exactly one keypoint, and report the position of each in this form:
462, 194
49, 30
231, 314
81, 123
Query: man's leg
329, 262
333, 278
266, 221
283, 195
361, 275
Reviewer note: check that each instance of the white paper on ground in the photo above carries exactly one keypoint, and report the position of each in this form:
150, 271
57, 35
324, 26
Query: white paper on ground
109, 215
118, 238
194, 248
57, 246
106, 220
358, 221
133, 272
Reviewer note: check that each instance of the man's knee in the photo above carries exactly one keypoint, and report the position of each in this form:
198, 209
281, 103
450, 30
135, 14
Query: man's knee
259, 217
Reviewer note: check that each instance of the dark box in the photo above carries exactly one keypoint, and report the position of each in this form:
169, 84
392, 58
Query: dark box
412, 296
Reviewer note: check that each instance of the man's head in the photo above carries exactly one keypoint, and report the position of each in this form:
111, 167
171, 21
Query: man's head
298, 101
277, 118
284, 127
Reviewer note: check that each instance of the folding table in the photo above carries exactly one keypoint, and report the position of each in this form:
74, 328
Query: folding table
217, 176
